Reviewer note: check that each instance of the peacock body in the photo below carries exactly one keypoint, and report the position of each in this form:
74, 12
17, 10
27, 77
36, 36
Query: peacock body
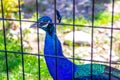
60, 67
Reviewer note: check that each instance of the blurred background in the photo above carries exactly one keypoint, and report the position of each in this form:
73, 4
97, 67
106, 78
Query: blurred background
17, 19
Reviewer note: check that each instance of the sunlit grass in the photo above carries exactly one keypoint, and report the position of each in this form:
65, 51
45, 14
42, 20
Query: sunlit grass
103, 18
30, 67
100, 19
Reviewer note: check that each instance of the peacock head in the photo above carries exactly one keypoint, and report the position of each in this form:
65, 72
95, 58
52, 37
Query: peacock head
45, 23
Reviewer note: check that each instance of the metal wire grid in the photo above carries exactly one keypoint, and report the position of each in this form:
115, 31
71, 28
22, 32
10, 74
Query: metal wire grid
73, 24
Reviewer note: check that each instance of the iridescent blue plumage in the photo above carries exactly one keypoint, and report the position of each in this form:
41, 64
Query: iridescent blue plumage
59, 66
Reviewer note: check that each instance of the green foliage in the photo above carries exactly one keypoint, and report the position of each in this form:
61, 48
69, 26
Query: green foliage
30, 67
9, 7
105, 17
14, 59
34, 17
81, 20
78, 21
11, 43
44, 70
101, 18
15, 62
69, 43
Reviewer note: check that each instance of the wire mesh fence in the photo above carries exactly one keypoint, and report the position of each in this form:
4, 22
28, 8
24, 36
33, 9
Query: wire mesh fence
22, 53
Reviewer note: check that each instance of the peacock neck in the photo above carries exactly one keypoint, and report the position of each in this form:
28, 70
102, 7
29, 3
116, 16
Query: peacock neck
53, 44
55, 60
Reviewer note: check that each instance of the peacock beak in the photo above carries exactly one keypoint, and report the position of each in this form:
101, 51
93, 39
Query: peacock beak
34, 25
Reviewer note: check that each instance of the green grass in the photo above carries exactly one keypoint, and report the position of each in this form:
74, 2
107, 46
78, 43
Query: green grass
103, 18
80, 20
100, 19
15, 62
30, 67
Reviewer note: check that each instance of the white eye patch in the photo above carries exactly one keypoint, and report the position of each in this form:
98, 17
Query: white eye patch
46, 24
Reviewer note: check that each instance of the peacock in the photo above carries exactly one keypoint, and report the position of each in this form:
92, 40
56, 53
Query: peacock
61, 68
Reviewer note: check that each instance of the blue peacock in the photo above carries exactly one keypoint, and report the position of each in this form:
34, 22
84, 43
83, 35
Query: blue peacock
60, 68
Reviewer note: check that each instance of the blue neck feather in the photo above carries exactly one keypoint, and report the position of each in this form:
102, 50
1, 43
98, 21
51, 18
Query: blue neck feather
59, 67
